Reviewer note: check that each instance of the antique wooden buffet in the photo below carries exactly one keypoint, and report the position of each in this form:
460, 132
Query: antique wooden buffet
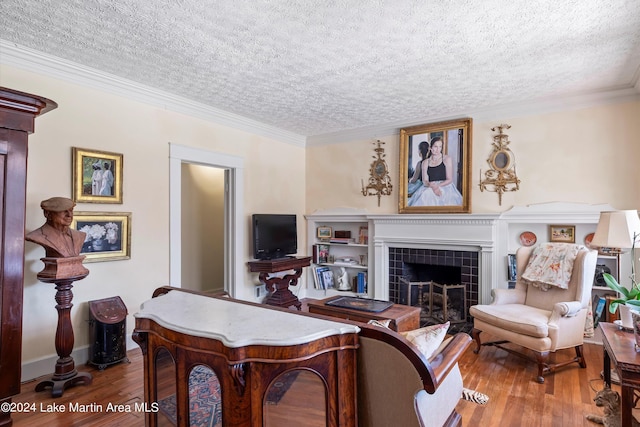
249, 348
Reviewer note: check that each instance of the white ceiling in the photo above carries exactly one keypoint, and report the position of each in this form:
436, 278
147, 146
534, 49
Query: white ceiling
314, 67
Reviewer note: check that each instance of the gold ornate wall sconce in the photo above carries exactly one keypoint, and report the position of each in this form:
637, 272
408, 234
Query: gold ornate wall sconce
501, 177
379, 180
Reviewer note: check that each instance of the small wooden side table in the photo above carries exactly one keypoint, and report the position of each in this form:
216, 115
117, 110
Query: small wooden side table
282, 296
403, 317
619, 346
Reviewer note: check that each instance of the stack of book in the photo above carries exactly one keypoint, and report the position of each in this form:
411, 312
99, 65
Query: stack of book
342, 240
323, 278
320, 253
361, 283
345, 261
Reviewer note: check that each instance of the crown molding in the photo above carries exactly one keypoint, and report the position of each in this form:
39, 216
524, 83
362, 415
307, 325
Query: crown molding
31, 60
494, 113
41, 63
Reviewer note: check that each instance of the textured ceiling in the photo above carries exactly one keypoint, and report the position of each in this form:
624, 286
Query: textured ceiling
314, 67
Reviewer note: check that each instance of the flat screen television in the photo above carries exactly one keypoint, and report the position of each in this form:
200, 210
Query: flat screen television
274, 236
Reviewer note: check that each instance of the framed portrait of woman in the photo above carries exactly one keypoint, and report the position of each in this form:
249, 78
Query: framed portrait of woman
435, 168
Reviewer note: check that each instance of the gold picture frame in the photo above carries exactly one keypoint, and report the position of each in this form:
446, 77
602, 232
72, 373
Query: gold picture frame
324, 232
455, 166
562, 233
108, 235
97, 176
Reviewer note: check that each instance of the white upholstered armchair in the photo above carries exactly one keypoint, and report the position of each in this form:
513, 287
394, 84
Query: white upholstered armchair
540, 320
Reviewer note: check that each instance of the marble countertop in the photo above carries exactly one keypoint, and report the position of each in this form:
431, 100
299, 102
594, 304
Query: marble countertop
236, 324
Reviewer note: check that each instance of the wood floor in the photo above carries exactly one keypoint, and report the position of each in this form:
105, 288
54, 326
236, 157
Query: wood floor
119, 384
515, 398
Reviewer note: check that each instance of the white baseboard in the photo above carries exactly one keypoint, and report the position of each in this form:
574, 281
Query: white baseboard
44, 366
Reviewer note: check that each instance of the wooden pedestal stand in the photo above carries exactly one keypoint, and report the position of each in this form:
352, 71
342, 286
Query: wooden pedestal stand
63, 272
282, 296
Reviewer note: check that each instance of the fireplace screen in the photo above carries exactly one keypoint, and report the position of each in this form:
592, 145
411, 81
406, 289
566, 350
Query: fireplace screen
439, 303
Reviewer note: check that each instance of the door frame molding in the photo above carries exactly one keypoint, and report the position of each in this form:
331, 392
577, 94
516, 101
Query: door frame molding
233, 207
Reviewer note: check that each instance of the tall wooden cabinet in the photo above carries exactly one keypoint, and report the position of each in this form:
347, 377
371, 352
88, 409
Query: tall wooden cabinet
18, 111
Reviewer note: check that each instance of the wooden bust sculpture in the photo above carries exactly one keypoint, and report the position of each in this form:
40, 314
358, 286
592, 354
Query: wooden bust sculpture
59, 240
56, 236
62, 266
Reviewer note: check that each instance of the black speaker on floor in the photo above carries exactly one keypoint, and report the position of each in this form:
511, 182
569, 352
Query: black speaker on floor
107, 332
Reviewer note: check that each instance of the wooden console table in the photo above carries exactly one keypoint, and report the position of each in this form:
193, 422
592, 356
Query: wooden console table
403, 317
619, 346
248, 346
282, 296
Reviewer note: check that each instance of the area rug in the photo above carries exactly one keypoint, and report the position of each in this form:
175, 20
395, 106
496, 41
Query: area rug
205, 409
204, 400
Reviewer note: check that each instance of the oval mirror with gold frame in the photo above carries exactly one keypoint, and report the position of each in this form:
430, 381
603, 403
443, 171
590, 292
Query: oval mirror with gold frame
380, 169
501, 176
501, 159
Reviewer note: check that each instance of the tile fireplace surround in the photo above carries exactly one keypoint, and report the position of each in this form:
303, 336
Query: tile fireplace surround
445, 234
490, 237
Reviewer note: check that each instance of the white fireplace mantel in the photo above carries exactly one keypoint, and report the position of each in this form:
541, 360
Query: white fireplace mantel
470, 232
491, 235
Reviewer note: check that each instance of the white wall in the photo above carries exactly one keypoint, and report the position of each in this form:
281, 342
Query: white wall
93, 119
588, 155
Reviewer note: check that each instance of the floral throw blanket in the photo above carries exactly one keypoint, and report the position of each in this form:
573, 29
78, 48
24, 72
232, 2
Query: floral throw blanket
550, 264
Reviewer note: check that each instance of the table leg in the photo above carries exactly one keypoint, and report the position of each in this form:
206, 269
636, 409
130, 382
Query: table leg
607, 368
626, 405
282, 295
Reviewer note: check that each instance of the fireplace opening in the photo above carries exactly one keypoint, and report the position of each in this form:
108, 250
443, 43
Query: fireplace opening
416, 272
443, 283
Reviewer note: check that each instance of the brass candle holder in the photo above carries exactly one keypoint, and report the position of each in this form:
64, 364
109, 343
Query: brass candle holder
379, 180
502, 176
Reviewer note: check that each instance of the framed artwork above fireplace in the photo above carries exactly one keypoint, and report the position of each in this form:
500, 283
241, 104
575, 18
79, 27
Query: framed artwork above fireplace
435, 166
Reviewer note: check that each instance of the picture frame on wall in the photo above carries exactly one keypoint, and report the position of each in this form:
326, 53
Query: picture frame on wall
108, 235
97, 176
442, 150
562, 233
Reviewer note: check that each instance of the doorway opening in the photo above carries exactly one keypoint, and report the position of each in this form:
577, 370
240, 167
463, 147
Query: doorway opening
203, 197
186, 165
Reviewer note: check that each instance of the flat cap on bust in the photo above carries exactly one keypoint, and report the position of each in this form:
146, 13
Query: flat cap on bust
57, 204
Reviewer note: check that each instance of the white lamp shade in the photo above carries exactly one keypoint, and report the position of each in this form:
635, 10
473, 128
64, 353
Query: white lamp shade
616, 229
